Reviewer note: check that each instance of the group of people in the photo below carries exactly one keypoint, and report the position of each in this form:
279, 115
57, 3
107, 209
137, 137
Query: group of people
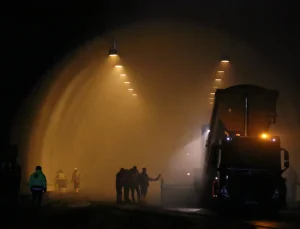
61, 180
134, 182
38, 183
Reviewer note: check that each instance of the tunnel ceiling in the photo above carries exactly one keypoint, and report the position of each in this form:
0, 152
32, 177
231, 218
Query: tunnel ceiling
47, 34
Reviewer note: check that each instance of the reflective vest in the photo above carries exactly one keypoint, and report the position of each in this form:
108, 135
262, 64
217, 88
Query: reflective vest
61, 176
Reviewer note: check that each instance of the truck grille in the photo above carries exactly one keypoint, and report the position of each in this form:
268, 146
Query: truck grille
248, 187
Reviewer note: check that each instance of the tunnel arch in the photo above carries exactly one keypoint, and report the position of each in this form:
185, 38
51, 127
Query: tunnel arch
69, 79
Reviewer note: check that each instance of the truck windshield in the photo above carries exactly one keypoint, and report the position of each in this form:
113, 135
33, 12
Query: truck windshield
251, 154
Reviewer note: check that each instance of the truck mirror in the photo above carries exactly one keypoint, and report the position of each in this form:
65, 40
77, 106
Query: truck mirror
286, 158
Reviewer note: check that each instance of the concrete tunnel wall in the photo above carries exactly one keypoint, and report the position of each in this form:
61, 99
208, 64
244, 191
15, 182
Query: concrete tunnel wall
81, 114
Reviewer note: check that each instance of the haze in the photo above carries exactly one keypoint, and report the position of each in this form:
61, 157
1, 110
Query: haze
82, 114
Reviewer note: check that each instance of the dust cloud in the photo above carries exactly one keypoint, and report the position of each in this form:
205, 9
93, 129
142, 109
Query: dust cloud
82, 114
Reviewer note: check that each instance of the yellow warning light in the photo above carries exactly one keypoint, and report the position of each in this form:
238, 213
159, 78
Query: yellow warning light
264, 136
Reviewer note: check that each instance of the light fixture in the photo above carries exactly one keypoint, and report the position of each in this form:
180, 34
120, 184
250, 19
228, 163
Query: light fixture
188, 174
264, 136
118, 66
221, 71
122, 74
127, 82
113, 51
218, 79
130, 89
225, 59
212, 93
134, 94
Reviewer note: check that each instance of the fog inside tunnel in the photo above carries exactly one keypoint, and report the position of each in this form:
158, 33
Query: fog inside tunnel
82, 114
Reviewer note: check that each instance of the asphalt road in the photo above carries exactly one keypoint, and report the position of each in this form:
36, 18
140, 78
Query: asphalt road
80, 212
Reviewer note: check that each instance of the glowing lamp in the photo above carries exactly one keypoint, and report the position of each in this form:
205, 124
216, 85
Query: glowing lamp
264, 136
113, 52
225, 59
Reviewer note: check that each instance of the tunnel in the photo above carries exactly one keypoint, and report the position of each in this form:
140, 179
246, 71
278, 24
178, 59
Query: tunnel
81, 114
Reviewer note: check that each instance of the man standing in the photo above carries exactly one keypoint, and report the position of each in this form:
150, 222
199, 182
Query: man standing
38, 185
126, 182
61, 181
76, 180
119, 184
144, 180
134, 184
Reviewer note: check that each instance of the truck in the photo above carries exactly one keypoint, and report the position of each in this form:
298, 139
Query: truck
243, 161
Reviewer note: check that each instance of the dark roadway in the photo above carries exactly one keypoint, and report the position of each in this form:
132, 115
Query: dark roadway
80, 212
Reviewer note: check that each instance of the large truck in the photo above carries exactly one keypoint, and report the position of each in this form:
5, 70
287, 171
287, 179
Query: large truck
244, 163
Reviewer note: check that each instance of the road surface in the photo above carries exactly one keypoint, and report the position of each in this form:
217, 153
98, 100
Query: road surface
76, 211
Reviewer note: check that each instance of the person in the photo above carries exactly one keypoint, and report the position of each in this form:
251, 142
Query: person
38, 185
61, 180
144, 180
119, 185
126, 184
76, 179
134, 184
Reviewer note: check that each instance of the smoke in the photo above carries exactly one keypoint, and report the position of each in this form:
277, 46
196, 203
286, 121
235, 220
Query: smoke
82, 114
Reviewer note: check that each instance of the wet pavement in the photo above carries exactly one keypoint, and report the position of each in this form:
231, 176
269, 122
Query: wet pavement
77, 211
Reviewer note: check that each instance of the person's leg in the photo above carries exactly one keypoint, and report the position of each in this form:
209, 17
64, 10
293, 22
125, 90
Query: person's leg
33, 197
126, 193
145, 193
138, 193
39, 196
119, 194
132, 194
142, 192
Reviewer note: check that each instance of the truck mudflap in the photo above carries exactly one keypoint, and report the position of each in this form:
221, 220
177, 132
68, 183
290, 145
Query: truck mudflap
178, 196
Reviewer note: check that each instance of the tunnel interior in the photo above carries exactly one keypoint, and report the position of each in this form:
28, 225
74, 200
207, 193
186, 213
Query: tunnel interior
82, 114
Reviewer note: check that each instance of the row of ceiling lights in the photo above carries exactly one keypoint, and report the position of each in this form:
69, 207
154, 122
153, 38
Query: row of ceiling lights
218, 79
113, 52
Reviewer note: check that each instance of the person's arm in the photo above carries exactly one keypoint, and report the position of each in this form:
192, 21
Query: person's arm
156, 179
30, 182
